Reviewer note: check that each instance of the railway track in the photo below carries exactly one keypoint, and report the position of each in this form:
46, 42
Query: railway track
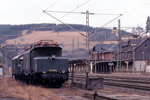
137, 83
27, 92
127, 85
86, 94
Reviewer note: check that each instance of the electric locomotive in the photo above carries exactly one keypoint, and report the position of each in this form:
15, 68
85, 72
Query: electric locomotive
42, 64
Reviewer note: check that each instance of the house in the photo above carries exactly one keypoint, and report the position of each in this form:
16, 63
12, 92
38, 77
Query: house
103, 52
103, 57
134, 56
137, 53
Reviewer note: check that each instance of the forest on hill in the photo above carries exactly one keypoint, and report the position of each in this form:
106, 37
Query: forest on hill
13, 31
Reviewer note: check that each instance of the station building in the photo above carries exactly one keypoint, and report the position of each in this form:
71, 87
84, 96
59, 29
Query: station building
132, 56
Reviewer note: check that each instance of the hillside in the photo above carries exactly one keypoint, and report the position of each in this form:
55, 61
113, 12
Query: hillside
30, 33
13, 31
65, 40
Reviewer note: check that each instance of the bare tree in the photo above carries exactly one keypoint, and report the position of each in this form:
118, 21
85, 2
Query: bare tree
138, 31
148, 25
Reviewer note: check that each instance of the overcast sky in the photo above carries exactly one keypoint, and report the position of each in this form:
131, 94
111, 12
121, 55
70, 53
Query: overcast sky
135, 12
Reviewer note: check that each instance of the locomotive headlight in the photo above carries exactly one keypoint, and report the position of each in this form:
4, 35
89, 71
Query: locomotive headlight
63, 71
43, 72
53, 70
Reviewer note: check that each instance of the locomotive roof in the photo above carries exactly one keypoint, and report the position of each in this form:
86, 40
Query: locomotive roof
39, 44
16, 57
42, 47
42, 43
28, 51
48, 58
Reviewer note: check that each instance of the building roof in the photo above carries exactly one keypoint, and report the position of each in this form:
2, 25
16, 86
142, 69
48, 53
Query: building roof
131, 44
128, 45
103, 48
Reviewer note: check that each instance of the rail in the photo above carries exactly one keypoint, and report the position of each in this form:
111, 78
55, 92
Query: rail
138, 83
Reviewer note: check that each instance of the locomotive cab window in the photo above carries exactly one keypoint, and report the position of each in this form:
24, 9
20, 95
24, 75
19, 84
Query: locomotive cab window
47, 51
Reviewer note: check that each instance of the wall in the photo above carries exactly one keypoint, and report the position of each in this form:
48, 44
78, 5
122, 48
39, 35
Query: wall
143, 51
139, 66
109, 56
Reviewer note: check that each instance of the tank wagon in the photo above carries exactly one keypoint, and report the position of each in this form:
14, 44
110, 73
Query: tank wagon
42, 64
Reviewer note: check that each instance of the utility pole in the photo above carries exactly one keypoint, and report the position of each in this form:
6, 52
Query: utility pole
72, 48
87, 47
78, 43
4, 60
95, 56
3, 64
73, 63
119, 42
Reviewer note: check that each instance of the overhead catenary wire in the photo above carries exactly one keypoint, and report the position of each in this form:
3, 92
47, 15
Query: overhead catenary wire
68, 14
93, 14
141, 6
75, 9
134, 9
64, 23
53, 4
107, 23
85, 13
46, 8
81, 13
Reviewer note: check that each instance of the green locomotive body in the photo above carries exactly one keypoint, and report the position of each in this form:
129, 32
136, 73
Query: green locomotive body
41, 64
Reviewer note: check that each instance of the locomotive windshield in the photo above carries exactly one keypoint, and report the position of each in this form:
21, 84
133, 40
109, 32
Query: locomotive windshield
47, 51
